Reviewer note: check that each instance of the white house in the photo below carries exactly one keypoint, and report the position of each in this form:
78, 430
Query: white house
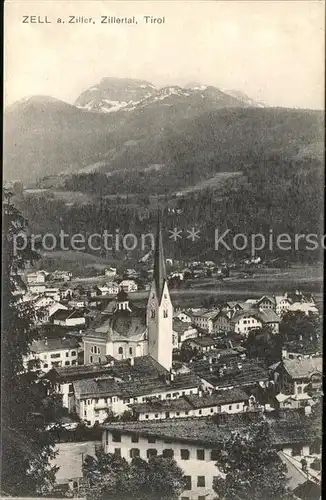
70, 317
191, 451
205, 319
36, 277
128, 286
55, 352
110, 272
183, 316
306, 307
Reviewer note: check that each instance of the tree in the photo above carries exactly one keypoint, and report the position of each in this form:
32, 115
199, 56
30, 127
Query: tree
26, 398
252, 467
110, 477
296, 326
264, 344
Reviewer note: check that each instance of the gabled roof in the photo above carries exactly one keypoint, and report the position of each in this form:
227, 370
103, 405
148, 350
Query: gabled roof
217, 398
303, 368
267, 316
63, 315
55, 344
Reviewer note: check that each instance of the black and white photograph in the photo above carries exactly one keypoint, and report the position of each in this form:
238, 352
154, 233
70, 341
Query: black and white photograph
162, 250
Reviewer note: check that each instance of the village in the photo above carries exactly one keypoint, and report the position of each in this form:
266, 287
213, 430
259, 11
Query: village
152, 378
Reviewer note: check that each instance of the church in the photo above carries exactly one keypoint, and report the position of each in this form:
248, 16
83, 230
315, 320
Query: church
127, 331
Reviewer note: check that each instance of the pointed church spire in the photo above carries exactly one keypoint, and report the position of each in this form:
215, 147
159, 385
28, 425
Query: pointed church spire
159, 262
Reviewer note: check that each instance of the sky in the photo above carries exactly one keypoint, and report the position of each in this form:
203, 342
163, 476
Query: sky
271, 50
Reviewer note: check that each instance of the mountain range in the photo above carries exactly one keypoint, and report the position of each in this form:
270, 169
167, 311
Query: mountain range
128, 125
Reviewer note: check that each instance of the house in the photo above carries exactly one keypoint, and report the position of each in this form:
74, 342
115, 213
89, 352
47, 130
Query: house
222, 321
183, 316
244, 321
199, 405
36, 288
204, 319
46, 307
232, 307
183, 331
79, 303
53, 292
196, 457
66, 293
113, 287
306, 307
54, 352
70, 317
128, 286
110, 272
202, 343
298, 376
194, 445
102, 290
36, 277
268, 317
266, 302
282, 304
95, 397
61, 276
223, 375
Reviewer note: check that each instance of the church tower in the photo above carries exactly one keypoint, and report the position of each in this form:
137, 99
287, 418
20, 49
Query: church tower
160, 309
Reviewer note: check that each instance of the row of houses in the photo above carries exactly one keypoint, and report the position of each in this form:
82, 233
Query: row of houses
243, 316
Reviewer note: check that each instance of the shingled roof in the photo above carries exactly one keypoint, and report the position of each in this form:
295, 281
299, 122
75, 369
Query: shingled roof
303, 368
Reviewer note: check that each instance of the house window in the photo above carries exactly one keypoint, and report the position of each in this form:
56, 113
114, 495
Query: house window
91, 359
67, 354
165, 313
186, 412
201, 481
73, 353
200, 412
45, 365
67, 363
134, 438
167, 414
151, 452
152, 313
185, 454
187, 482
151, 439
146, 416
238, 406
156, 415
296, 450
200, 454
168, 453
230, 407
117, 452
177, 413
214, 455
130, 351
134, 452
299, 389
116, 437
120, 350
55, 355
168, 396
